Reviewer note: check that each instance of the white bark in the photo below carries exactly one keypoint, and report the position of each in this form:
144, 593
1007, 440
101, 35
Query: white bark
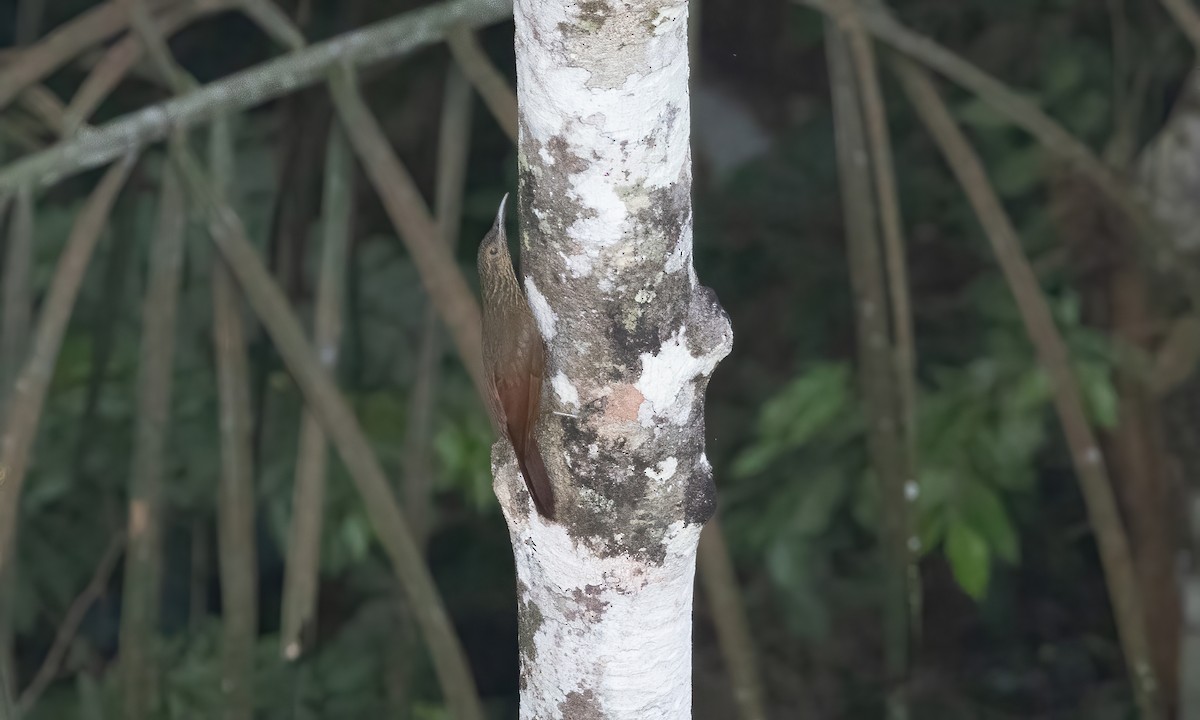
605, 589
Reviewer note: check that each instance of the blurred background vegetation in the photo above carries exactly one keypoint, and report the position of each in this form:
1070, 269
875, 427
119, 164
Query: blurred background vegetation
1014, 617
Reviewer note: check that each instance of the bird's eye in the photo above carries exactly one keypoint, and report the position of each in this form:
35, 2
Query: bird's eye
494, 251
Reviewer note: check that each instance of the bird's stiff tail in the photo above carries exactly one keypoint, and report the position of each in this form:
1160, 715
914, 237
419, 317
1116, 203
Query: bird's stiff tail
536, 478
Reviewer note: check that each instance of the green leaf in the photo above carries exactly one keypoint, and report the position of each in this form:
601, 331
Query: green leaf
822, 497
969, 558
1019, 171
755, 459
807, 405
1031, 392
356, 535
1062, 74
983, 510
936, 486
931, 528
866, 501
784, 562
1098, 392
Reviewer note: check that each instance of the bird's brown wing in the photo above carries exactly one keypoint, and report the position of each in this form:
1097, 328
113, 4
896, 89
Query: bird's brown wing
494, 406
518, 395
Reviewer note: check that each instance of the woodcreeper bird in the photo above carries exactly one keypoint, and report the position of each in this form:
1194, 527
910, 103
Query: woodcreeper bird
514, 361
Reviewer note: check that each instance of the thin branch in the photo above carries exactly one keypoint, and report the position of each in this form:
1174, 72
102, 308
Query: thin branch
25, 406
236, 556
904, 613
308, 500
876, 360
1028, 116
59, 46
862, 51
343, 429
443, 280
1052, 354
70, 624
1187, 18
143, 562
392, 38
488, 81
729, 618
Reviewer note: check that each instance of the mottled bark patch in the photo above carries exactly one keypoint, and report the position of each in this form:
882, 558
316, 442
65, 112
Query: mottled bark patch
611, 490
549, 200
529, 621
581, 705
596, 27
588, 603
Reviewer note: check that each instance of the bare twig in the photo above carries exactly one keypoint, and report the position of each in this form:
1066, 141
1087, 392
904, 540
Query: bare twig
25, 406
729, 618
877, 366
143, 561
402, 200
862, 50
388, 39
903, 604
308, 500
236, 556
340, 424
70, 624
1052, 353
491, 85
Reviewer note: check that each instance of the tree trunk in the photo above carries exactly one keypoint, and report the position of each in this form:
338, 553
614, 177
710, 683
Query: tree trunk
605, 588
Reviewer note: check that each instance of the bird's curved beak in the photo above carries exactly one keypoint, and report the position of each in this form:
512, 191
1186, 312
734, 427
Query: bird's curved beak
500, 213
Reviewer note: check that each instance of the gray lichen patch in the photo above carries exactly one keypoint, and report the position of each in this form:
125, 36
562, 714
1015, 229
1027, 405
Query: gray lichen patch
553, 204
582, 704
588, 605
529, 621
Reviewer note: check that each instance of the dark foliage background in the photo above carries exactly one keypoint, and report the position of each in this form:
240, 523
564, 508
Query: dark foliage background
1015, 620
